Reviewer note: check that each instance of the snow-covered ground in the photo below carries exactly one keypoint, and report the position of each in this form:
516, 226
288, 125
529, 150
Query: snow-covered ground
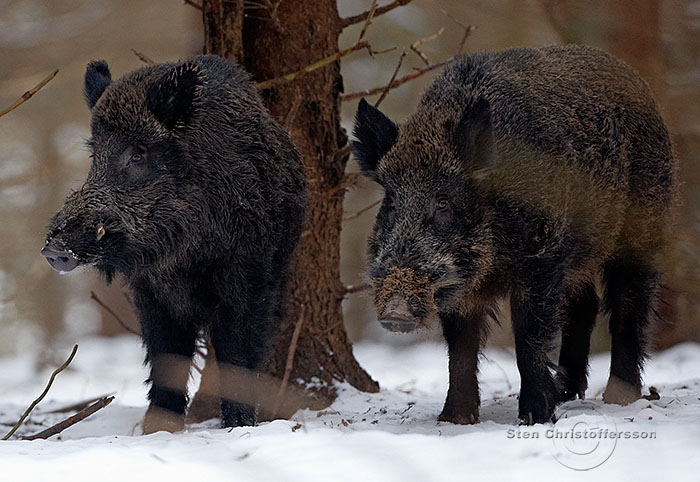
389, 436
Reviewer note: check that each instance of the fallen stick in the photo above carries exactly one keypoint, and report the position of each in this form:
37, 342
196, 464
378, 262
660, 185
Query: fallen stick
72, 420
78, 405
41, 397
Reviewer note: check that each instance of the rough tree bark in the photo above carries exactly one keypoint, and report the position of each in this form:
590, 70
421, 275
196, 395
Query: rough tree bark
284, 37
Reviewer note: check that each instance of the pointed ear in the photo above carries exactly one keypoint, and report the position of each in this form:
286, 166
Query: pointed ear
97, 78
172, 98
375, 134
473, 139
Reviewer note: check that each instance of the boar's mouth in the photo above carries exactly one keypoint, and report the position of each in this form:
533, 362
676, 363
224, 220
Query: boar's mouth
394, 322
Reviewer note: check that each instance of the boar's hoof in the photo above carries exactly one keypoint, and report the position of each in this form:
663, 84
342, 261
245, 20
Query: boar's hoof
537, 407
570, 389
620, 392
469, 418
159, 419
234, 414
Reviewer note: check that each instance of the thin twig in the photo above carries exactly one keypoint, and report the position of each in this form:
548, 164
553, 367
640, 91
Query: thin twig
288, 366
348, 180
379, 11
398, 82
142, 57
360, 44
70, 421
391, 81
349, 289
28, 94
341, 153
193, 4
362, 211
418, 72
111, 312
78, 405
370, 15
291, 115
417, 43
266, 84
43, 394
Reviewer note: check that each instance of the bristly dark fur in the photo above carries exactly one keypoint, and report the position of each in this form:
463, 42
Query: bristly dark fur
201, 198
527, 173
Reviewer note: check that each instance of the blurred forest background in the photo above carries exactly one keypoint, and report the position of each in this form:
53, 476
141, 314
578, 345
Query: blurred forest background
43, 157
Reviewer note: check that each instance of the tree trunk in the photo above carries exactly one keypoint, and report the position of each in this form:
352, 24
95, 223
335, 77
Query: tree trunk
284, 38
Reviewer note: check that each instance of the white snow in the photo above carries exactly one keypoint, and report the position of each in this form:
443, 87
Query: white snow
389, 436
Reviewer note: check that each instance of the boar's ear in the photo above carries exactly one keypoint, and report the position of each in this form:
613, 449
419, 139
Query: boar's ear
473, 138
375, 134
172, 98
97, 78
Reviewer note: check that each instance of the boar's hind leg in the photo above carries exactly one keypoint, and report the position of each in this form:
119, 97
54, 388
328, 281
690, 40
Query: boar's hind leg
629, 293
535, 326
580, 313
463, 335
240, 338
169, 348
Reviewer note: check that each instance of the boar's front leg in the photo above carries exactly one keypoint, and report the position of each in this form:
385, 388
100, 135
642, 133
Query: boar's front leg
463, 334
534, 314
169, 349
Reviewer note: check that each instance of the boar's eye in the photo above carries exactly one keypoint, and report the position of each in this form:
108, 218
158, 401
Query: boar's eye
441, 209
133, 158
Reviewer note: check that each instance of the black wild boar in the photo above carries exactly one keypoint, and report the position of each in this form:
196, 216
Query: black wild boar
527, 174
197, 197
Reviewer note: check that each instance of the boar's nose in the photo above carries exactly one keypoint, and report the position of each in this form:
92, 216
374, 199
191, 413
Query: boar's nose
60, 259
396, 316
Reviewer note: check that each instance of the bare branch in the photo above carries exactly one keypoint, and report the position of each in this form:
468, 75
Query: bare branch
370, 15
360, 44
418, 72
391, 81
194, 4
417, 43
289, 121
362, 211
379, 11
398, 82
348, 180
266, 84
70, 421
111, 312
43, 394
28, 94
78, 405
142, 57
349, 289
288, 366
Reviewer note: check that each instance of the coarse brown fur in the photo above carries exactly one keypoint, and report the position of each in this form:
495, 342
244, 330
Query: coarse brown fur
527, 173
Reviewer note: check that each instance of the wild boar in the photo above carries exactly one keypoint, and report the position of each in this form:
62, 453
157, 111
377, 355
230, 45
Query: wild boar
197, 197
525, 174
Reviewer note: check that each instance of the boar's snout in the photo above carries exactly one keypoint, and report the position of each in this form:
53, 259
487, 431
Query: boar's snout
62, 260
404, 299
396, 316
